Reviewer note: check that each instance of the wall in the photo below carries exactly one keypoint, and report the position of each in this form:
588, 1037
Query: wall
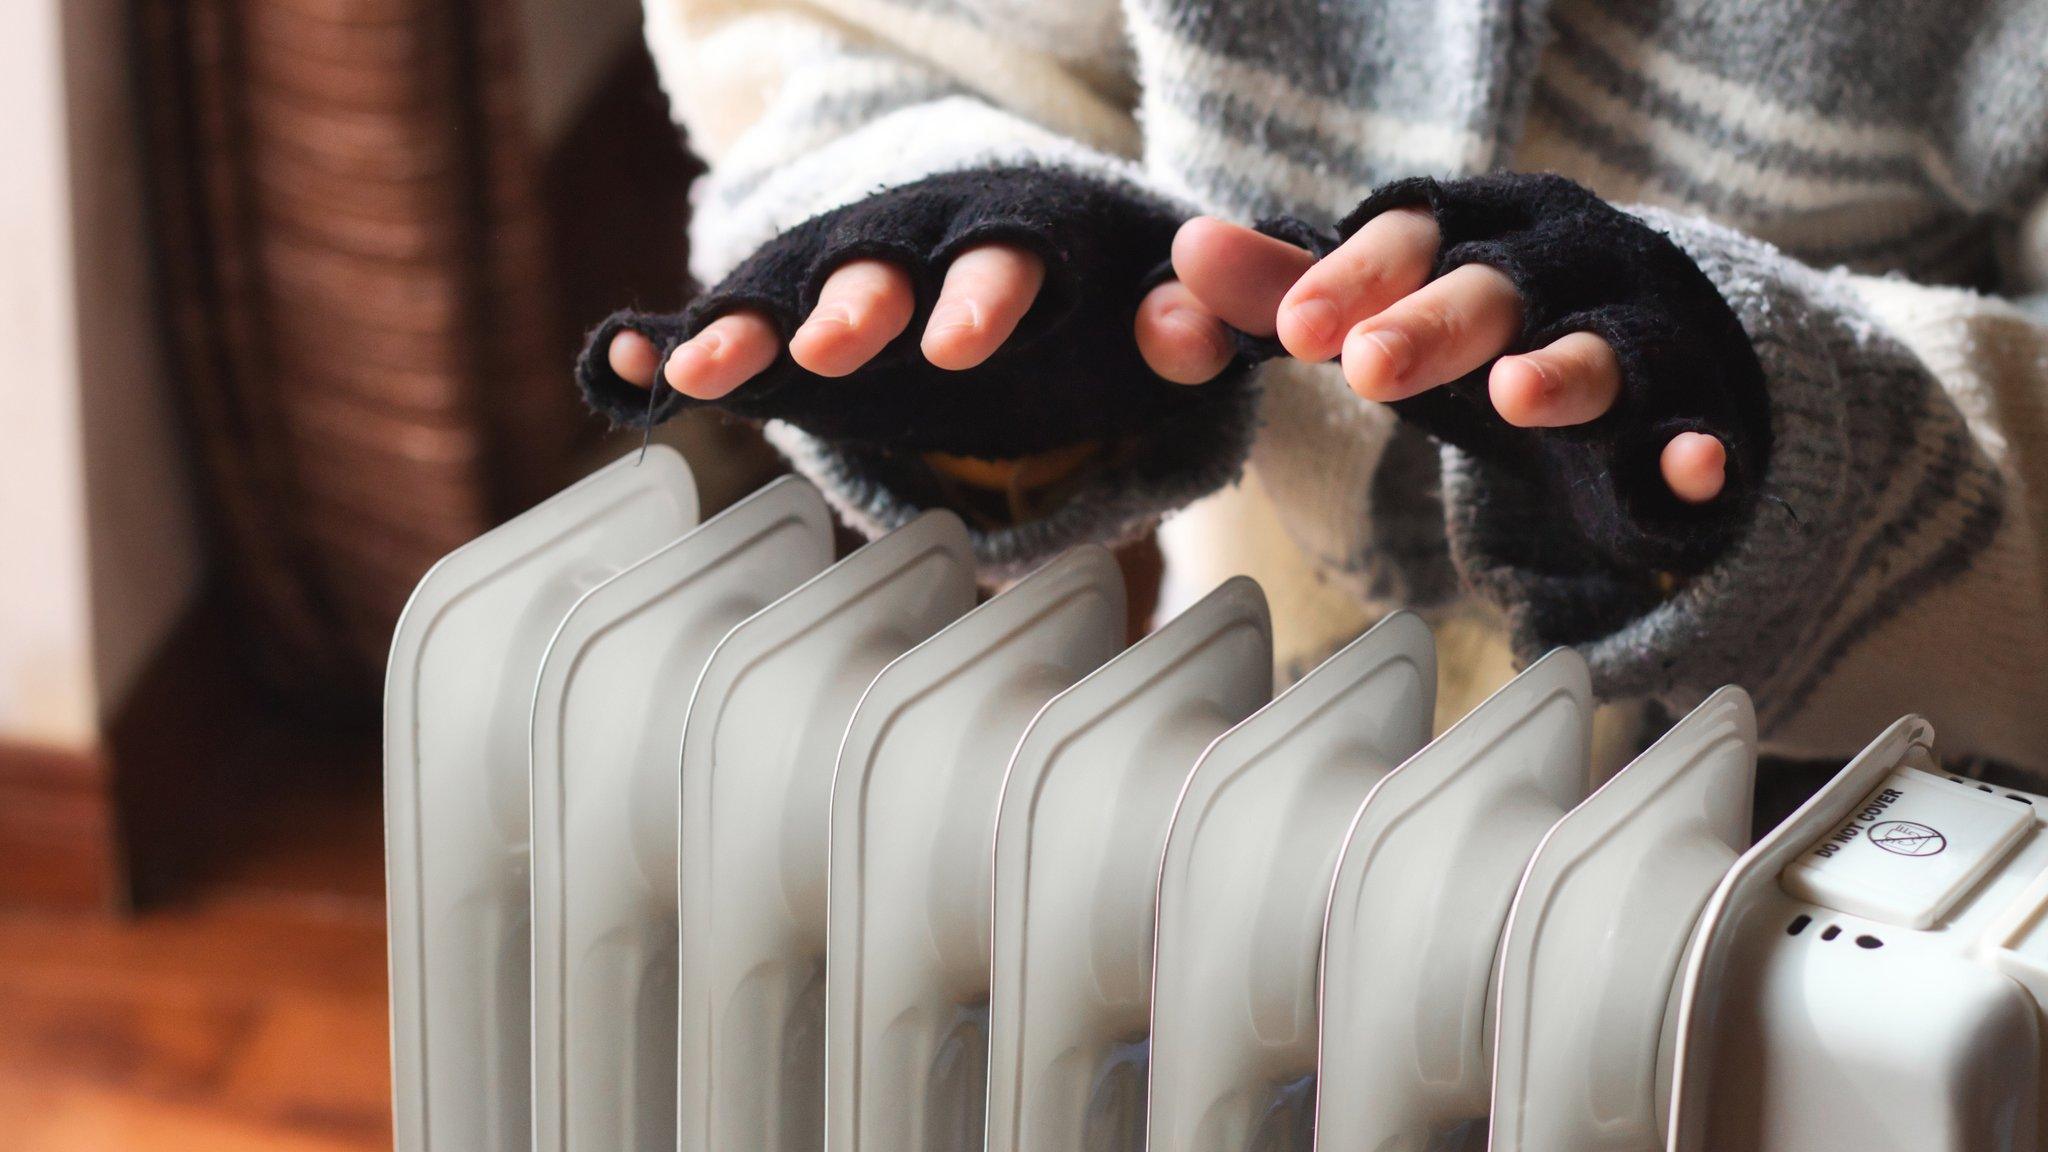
99, 547
99, 550
46, 679
142, 536
100, 554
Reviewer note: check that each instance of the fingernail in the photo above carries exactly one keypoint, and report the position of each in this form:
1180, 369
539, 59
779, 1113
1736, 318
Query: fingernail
1395, 347
625, 348
823, 318
691, 363
953, 315
1547, 388
1199, 325
1317, 318
1395, 353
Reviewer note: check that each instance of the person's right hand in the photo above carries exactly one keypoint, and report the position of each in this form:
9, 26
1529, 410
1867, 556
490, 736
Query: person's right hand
865, 304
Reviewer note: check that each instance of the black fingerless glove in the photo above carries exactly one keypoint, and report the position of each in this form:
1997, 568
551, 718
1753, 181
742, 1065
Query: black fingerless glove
1583, 265
1071, 374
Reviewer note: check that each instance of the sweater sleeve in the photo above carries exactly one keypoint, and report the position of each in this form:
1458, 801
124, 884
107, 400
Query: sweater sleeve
837, 129
1891, 556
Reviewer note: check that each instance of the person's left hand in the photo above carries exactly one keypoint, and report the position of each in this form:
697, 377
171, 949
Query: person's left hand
1399, 333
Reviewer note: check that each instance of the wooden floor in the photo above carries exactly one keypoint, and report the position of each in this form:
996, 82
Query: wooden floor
247, 1014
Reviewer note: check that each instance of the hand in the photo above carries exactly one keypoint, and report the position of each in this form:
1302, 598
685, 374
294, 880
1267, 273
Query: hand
866, 304
1399, 333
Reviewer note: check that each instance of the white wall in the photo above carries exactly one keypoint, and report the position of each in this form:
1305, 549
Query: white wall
46, 677
98, 548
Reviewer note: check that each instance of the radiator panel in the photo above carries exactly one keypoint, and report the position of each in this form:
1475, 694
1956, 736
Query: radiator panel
607, 730
1429, 869
758, 755
1599, 932
458, 715
1083, 819
913, 825
1244, 886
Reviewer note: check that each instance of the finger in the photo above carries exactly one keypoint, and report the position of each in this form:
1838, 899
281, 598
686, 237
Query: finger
1180, 338
730, 351
1570, 381
1382, 262
1695, 465
863, 305
987, 291
633, 358
1447, 328
1238, 274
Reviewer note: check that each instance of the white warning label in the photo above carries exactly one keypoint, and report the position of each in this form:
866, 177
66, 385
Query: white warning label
1909, 850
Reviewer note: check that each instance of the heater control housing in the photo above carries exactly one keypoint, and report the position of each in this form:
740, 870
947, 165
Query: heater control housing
1890, 984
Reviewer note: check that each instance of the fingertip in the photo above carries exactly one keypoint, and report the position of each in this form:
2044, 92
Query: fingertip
1180, 340
1573, 380
987, 292
1239, 274
1195, 240
689, 370
1196, 351
1376, 267
1695, 466
818, 344
862, 306
1375, 362
633, 358
953, 338
1310, 326
729, 351
839, 345
1521, 391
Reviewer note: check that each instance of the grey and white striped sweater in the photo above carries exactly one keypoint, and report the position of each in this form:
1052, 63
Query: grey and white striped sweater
1863, 182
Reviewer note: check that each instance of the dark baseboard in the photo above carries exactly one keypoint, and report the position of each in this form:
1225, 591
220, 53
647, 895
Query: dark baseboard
120, 825
176, 753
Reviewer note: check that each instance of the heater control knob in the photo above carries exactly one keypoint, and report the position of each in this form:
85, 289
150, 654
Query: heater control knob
1915, 844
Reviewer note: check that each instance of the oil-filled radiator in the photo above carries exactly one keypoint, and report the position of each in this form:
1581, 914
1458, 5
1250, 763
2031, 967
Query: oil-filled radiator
698, 840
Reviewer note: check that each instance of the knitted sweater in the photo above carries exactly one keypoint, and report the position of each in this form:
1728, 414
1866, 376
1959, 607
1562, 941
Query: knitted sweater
1862, 184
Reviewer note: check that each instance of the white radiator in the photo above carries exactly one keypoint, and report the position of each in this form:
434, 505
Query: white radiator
698, 841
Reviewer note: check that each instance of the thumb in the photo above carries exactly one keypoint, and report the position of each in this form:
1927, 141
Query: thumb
1238, 274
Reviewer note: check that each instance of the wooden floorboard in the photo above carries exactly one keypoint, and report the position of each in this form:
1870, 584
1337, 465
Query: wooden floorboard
249, 1013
